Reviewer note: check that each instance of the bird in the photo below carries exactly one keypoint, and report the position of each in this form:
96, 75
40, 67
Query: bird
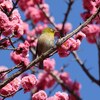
45, 42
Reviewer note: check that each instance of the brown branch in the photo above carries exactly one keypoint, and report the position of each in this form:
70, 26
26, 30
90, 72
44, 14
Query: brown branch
6, 38
14, 6
66, 16
64, 85
47, 16
79, 61
11, 69
99, 61
50, 51
11, 42
54, 88
98, 47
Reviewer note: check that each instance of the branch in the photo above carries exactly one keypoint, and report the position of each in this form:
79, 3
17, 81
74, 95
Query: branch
11, 69
14, 6
6, 38
50, 51
66, 16
79, 61
98, 47
47, 16
64, 85
50, 92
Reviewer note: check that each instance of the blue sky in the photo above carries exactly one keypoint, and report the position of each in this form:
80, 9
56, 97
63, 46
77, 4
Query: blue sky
87, 52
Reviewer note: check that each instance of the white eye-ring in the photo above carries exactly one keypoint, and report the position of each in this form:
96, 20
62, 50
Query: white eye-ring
51, 30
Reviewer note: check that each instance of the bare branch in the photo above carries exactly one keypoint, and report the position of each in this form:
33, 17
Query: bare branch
47, 16
85, 69
66, 16
65, 85
98, 47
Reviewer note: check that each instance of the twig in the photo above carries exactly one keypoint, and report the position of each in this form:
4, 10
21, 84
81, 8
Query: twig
6, 38
11, 42
98, 47
11, 69
53, 89
64, 85
14, 6
47, 16
46, 54
84, 68
66, 16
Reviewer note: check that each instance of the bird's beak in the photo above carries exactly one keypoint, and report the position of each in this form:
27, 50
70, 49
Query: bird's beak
56, 31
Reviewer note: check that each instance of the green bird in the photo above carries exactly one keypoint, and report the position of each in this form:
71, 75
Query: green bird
45, 42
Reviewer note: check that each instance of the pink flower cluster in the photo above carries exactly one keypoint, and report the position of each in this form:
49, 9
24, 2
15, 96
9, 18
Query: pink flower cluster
29, 3
20, 55
33, 12
74, 86
10, 23
31, 35
67, 28
28, 82
39, 28
49, 64
11, 88
31, 38
59, 96
41, 95
90, 6
45, 80
92, 32
70, 45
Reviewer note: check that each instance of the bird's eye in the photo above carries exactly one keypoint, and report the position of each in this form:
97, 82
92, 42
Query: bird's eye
51, 30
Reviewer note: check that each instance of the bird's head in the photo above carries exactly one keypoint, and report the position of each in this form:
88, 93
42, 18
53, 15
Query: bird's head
49, 30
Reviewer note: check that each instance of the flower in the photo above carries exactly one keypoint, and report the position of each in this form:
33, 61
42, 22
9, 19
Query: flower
11, 88
49, 64
28, 82
40, 95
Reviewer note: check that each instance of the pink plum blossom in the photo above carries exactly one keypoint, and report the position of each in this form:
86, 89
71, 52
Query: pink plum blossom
29, 3
11, 88
66, 29
68, 46
45, 80
40, 95
39, 28
49, 64
92, 32
21, 54
62, 96
29, 82
6, 5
